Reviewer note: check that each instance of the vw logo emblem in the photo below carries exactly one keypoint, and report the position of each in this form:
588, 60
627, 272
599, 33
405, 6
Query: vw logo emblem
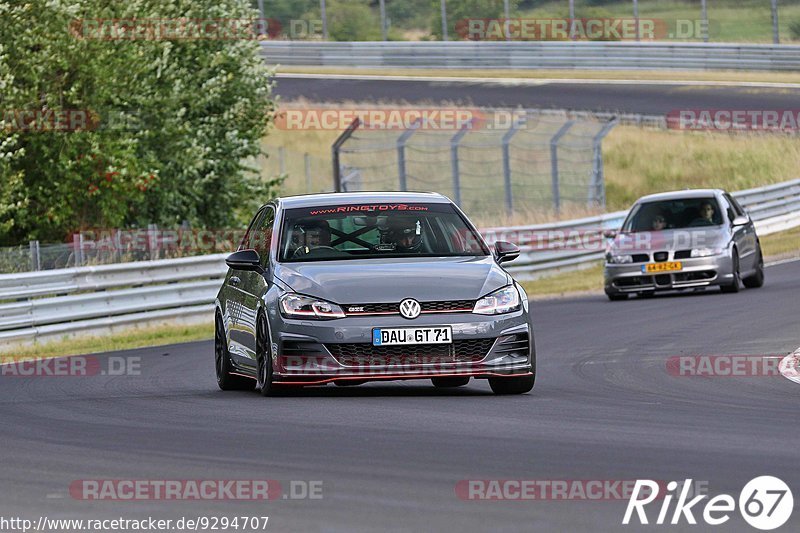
410, 308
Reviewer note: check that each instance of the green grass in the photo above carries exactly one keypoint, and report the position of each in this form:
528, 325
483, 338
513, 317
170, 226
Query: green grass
126, 340
781, 245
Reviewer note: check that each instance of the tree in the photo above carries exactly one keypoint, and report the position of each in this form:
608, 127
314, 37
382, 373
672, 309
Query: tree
172, 121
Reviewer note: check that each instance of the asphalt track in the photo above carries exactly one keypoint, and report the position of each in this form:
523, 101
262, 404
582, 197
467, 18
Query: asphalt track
647, 99
390, 455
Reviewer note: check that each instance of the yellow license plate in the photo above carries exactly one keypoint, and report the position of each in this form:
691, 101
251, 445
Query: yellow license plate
662, 267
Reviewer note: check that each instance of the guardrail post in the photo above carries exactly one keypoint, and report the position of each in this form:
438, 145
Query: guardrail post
337, 145
597, 187
307, 161
454, 141
77, 245
554, 163
515, 125
401, 154
36, 261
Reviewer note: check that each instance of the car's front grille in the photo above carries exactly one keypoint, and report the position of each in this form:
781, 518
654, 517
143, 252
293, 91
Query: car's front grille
660, 256
451, 306
641, 258
364, 354
683, 254
688, 277
634, 281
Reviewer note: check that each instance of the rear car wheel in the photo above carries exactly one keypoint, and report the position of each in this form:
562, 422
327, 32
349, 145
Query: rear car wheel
756, 280
512, 385
733, 286
222, 362
447, 382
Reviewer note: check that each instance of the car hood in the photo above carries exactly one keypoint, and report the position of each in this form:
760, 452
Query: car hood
676, 239
391, 280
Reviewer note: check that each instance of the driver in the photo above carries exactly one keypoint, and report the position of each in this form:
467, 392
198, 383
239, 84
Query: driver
405, 234
312, 234
706, 212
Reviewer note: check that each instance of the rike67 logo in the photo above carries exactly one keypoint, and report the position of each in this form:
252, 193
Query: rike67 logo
765, 503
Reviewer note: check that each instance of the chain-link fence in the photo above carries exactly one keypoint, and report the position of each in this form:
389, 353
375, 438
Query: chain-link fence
305, 173
533, 162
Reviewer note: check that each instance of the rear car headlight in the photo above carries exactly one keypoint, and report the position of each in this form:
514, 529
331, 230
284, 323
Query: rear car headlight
505, 300
619, 259
705, 252
299, 306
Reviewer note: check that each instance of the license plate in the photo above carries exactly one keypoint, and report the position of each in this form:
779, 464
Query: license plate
662, 267
401, 336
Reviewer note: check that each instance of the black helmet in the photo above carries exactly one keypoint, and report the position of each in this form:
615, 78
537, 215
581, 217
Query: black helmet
405, 234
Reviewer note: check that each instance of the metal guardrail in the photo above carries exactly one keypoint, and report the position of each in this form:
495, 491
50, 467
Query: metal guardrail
52, 304
534, 54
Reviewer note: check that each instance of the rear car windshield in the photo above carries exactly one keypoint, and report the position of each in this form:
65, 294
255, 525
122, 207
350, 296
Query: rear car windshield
674, 214
366, 231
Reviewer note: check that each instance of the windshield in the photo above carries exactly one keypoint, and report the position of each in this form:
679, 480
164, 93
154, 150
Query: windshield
674, 214
366, 231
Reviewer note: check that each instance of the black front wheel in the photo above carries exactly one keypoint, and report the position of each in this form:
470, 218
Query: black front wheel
266, 383
512, 385
733, 286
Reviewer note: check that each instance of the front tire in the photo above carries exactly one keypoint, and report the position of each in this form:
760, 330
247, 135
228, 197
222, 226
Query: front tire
733, 286
449, 382
512, 385
756, 280
226, 380
265, 382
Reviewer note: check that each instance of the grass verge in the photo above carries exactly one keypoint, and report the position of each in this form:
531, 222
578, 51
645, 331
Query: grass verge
126, 340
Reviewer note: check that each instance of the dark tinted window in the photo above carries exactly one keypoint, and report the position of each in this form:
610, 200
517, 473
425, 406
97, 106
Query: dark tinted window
682, 213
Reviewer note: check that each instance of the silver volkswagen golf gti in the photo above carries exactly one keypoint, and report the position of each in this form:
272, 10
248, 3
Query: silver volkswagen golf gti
355, 287
683, 240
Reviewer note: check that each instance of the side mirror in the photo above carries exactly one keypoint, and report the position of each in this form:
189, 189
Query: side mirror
247, 260
610, 233
741, 220
505, 251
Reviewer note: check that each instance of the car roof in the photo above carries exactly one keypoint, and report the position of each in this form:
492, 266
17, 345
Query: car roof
679, 195
346, 198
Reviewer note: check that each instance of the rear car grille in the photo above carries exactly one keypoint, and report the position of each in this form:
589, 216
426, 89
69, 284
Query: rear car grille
394, 308
364, 354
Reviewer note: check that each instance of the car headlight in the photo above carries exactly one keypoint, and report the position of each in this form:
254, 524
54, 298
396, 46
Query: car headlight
619, 259
505, 300
299, 306
705, 252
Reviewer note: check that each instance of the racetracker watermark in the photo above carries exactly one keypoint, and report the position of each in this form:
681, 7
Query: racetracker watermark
75, 366
383, 118
48, 120
579, 29
181, 240
724, 366
175, 29
194, 489
735, 120
559, 489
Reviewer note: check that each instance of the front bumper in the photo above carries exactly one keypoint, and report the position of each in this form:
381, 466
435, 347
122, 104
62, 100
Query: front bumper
316, 352
695, 272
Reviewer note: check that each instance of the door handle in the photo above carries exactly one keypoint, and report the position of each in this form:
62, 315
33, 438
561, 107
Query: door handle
234, 281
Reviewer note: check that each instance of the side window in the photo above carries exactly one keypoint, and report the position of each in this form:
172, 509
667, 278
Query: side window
262, 236
247, 241
737, 206
734, 208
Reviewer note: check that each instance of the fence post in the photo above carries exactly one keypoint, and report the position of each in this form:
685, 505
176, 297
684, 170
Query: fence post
775, 35
401, 154
454, 141
152, 241
77, 245
443, 5
704, 20
323, 13
307, 160
554, 163
507, 162
597, 188
36, 261
382, 8
337, 145
636, 17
